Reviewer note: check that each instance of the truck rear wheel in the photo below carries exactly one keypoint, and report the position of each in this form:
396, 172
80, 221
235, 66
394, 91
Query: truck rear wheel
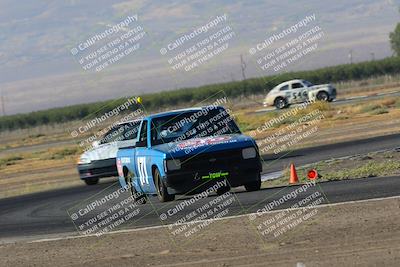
162, 192
137, 197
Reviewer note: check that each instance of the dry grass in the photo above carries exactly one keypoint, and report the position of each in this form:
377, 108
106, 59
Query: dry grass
31, 172
35, 135
37, 160
376, 107
386, 83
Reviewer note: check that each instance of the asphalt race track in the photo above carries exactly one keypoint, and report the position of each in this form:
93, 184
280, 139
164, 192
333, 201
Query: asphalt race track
46, 213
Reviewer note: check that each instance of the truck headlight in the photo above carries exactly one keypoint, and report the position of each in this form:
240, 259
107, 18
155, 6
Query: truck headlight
83, 160
173, 164
249, 153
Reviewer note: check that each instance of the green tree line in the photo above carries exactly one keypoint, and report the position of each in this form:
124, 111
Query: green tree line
194, 95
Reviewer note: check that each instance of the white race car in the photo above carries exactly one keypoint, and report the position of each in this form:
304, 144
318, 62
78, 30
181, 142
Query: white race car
99, 160
298, 91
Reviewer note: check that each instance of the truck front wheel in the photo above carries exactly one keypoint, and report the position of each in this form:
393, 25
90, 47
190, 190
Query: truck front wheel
162, 192
223, 190
254, 185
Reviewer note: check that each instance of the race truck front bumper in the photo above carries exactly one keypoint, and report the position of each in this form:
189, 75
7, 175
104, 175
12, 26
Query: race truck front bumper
202, 171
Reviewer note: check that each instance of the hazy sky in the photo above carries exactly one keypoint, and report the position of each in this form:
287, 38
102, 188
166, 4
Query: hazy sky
48, 49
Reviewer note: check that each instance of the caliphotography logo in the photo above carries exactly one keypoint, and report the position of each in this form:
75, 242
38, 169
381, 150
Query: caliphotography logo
199, 133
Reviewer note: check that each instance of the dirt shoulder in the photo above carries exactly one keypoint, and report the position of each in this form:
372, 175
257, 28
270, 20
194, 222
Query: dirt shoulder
350, 234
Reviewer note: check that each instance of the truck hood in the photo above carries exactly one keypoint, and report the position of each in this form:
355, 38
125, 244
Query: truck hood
206, 144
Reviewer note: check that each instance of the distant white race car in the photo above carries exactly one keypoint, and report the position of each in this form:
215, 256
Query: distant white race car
298, 91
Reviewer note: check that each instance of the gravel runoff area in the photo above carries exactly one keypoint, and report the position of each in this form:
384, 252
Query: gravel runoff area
365, 233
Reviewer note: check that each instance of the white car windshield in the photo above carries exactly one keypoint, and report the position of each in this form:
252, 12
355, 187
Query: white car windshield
307, 83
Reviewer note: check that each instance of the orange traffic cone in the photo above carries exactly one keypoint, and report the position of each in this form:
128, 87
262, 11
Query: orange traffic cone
293, 175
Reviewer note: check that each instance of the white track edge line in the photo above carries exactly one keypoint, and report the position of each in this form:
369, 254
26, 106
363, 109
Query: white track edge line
216, 219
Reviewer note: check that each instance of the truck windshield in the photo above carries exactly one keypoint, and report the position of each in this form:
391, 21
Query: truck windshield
192, 124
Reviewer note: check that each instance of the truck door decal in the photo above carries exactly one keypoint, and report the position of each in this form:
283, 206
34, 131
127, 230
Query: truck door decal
142, 171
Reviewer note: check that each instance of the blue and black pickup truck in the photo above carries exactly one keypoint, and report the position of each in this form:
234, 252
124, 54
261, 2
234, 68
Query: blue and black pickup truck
188, 151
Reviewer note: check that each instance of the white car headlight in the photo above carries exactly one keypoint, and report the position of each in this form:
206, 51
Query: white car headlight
173, 164
83, 160
249, 153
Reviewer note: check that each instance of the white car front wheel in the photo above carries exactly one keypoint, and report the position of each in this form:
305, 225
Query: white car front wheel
322, 96
280, 103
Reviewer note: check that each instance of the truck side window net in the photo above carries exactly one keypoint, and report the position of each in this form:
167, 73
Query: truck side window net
143, 132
